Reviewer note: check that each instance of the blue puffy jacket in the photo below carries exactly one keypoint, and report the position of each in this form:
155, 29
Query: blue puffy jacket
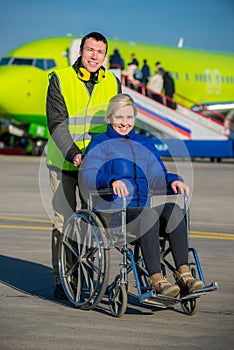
132, 158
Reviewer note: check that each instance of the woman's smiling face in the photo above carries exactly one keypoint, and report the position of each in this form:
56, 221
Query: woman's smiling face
123, 120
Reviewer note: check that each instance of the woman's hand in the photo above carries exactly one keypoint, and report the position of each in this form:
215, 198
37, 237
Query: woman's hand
180, 187
119, 188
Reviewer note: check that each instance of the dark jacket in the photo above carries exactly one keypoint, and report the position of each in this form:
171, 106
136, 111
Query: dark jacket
133, 159
116, 60
146, 73
168, 85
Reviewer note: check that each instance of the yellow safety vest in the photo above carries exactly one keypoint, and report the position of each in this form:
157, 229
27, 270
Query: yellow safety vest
86, 113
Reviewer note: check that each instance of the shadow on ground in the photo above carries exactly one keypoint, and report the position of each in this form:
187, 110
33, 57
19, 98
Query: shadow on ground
27, 276
37, 280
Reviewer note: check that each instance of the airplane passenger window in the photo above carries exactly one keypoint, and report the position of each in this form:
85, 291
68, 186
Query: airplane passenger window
22, 61
187, 76
4, 61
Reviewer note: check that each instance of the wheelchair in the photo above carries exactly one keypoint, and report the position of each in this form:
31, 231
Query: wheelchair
84, 263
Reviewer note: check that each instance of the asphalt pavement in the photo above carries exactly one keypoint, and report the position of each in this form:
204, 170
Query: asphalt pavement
32, 319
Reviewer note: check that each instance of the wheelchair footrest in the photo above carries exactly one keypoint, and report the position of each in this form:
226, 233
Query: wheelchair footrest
158, 300
203, 291
164, 301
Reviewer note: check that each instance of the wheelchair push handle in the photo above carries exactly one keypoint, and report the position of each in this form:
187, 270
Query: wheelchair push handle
109, 191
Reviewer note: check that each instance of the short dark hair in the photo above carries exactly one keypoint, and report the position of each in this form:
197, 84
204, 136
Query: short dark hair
95, 35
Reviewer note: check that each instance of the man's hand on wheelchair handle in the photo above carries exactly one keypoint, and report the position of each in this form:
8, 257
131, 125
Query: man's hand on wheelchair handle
180, 187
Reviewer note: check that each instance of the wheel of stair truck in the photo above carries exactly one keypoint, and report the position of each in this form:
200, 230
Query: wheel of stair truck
118, 299
190, 306
84, 260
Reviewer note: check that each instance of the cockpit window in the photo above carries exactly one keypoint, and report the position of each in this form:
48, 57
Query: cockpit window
4, 61
40, 64
44, 64
22, 62
50, 64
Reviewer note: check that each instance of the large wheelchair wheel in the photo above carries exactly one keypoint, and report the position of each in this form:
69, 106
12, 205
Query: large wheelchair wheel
84, 260
190, 306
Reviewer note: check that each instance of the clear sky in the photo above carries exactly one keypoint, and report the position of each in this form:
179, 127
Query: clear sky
204, 24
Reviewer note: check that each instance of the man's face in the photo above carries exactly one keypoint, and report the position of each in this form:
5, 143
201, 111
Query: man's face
93, 54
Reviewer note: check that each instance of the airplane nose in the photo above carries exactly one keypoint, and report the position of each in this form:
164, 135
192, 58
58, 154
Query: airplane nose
22, 90
5, 88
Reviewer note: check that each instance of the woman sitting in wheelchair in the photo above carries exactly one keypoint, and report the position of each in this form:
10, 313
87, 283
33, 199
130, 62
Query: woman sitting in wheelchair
130, 164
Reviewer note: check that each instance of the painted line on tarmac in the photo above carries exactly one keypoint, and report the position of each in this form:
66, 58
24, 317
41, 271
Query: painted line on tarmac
212, 235
193, 234
16, 218
27, 227
229, 237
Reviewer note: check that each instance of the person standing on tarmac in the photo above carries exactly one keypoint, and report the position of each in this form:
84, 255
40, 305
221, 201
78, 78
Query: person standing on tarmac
76, 101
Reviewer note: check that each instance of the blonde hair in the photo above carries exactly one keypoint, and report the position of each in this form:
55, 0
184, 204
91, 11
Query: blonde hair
119, 101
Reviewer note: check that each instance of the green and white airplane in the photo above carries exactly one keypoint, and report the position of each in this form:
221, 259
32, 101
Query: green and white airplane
202, 78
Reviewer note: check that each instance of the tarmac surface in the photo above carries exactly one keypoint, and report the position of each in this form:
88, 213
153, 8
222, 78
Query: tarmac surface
32, 319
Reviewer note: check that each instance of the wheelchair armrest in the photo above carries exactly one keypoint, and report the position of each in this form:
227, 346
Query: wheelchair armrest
169, 192
102, 191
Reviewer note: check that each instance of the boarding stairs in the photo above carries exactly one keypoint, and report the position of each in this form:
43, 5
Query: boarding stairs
181, 123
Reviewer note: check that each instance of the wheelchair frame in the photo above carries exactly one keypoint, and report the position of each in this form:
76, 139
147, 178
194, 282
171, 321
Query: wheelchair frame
84, 264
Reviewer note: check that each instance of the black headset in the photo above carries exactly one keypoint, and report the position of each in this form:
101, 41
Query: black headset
84, 75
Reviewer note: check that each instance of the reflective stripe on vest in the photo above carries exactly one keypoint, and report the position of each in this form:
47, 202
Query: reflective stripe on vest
86, 113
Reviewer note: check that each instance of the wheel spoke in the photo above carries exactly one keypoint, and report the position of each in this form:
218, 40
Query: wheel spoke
76, 235
78, 285
88, 276
92, 266
71, 248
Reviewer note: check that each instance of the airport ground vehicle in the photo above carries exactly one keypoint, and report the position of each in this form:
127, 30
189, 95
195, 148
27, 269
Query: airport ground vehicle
84, 264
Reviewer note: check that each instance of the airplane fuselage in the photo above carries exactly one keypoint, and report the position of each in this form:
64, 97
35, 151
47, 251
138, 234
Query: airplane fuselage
200, 77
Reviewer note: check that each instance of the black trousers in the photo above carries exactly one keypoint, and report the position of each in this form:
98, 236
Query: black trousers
145, 225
